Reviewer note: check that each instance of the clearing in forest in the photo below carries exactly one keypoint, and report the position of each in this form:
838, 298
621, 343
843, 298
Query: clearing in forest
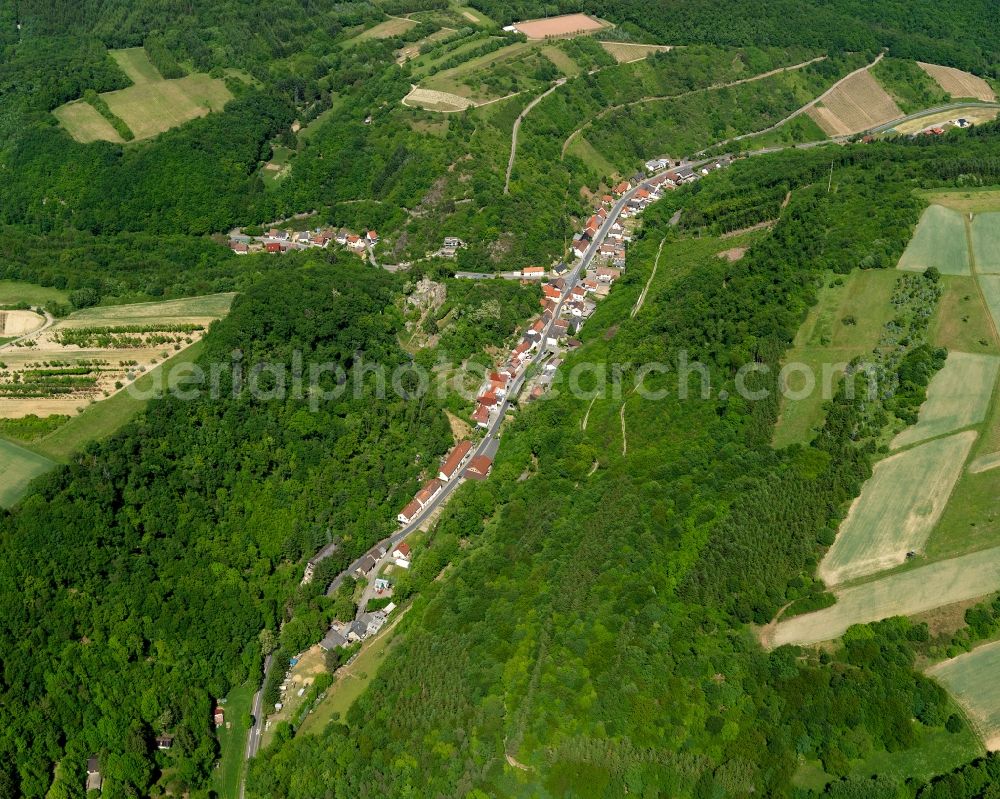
904, 594
135, 63
986, 242
857, 104
394, 26
18, 467
95, 352
85, 124
565, 25
972, 680
150, 106
897, 509
958, 83
846, 322
939, 241
958, 396
626, 52
432, 100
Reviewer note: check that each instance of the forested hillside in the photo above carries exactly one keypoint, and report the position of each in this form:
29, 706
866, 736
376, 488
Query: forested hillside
593, 635
135, 582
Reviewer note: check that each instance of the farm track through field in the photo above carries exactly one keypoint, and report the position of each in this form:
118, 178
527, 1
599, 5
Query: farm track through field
713, 87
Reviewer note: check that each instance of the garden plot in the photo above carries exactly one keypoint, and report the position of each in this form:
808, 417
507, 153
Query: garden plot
958, 396
972, 680
986, 242
958, 83
904, 594
939, 241
857, 104
97, 351
897, 509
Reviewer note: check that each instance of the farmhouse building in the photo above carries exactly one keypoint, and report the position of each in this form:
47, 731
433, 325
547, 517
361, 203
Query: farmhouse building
451, 465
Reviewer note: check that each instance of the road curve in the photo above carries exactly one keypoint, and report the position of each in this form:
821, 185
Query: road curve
517, 127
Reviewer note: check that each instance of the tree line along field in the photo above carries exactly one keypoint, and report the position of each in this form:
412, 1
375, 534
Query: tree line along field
149, 107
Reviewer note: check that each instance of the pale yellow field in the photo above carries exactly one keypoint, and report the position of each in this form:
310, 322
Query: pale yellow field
904, 594
85, 124
958, 396
433, 100
958, 83
18, 323
972, 680
859, 103
565, 25
975, 114
985, 463
385, 30
897, 509
151, 108
624, 52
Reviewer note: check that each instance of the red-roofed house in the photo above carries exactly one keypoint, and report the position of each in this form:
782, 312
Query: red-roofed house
551, 292
430, 490
454, 460
489, 399
239, 247
532, 271
273, 246
402, 550
355, 242
622, 187
409, 513
479, 468
481, 416
371, 237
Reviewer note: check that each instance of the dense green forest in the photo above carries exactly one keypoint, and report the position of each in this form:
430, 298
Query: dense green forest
594, 628
136, 580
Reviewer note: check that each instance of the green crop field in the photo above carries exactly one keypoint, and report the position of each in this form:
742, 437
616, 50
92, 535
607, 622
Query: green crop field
986, 242
18, 467
897, 509
961, 320
972, 680
940, 241
136, 64
825, 340
903, 594
85, 124
958, 396
209, 306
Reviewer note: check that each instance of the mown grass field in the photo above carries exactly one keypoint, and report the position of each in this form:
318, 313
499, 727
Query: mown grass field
825, 339
940, 241
232, 742
136, 64
962, 321
154, 107
975, 200
972, 679
85, 124
986, 242
384, 30
990, 285
15, 291
902, 594
897, 509
18, 467
958, 396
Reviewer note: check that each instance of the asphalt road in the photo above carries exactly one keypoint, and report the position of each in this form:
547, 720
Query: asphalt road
253, 738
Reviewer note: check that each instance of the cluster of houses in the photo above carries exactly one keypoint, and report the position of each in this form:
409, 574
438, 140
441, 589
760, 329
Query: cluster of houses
278, 241
364, 626
460, 463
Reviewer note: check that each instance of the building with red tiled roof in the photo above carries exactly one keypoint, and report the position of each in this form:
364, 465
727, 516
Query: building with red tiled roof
430, 490
481, 416
407, 514
479, 467
454, 460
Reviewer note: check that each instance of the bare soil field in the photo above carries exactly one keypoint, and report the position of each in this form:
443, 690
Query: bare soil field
565, 25
958, 83
19, 323
904, 594
626, 52
939, 241
972, 680
433, 100
958, 396
97, 352
897, 509
83, 122
857, 104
